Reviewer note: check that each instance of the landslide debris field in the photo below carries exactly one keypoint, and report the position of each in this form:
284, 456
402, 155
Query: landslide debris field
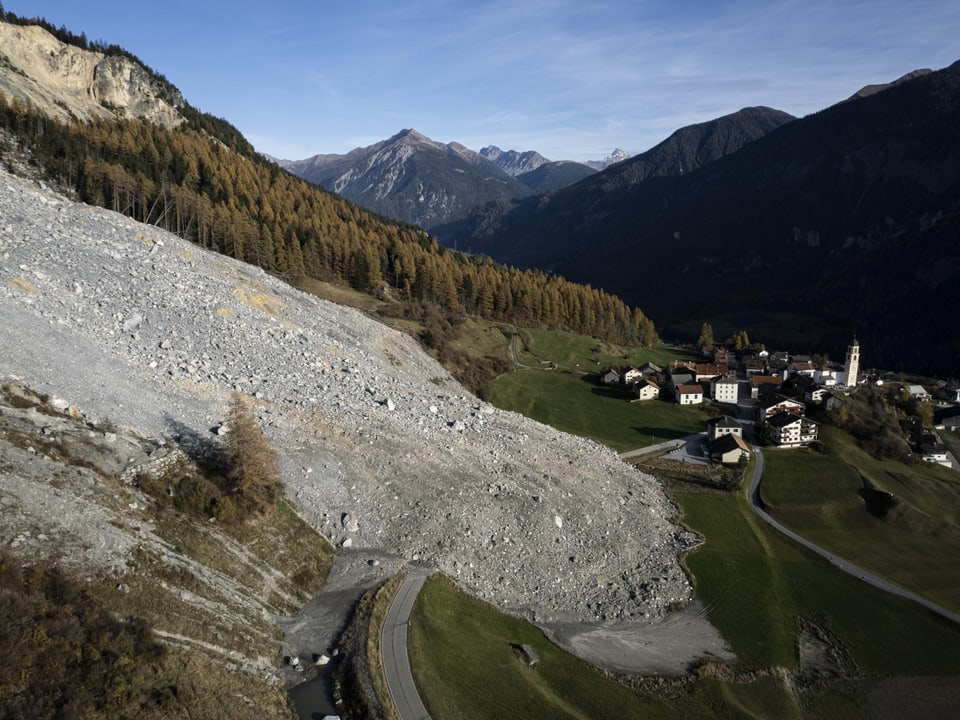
380, 447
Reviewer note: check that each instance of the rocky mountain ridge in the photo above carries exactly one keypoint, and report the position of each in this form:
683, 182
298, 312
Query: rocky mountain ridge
130, 323
69, 83
512, 162
412, 178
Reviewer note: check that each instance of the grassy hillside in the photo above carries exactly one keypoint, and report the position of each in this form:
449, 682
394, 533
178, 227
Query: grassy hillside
558, 384
578, 404
900, 521
467, 665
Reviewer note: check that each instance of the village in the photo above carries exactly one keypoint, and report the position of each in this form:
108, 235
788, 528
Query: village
766, 397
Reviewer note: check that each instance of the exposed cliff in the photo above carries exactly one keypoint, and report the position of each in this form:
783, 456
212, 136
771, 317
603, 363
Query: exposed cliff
70, 83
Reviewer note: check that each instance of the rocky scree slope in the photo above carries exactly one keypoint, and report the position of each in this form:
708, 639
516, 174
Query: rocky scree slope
68, 493
380, 447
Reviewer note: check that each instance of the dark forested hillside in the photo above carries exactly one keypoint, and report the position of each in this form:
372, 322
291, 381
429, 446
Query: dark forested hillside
553, 176
692, 147
850, 217
583, 203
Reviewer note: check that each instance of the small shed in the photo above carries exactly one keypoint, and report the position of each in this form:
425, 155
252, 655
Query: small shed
611, 377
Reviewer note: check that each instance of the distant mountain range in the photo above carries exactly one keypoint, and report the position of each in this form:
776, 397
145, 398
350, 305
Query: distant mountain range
846, 221
803, 231
411, 178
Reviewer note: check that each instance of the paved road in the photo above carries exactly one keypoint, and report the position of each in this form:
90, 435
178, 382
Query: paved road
393, 650
692, 448
659, 447
839, 562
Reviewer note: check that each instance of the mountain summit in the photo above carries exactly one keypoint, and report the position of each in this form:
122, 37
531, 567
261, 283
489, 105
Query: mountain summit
613, 158
411, 178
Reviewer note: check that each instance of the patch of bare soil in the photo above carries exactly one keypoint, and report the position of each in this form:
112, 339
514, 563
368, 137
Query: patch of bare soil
668, 647
822, 657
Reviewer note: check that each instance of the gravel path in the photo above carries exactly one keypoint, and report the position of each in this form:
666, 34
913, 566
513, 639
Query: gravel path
380, 447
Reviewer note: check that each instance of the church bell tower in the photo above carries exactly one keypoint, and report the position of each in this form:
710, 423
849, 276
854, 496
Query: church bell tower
851, 366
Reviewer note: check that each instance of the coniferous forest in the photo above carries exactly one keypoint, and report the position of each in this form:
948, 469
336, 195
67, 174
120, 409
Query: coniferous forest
204, 182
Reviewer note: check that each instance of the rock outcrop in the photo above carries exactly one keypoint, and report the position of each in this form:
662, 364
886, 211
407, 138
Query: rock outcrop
69, 83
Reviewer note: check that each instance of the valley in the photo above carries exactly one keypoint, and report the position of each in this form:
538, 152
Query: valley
140, 329
166, 290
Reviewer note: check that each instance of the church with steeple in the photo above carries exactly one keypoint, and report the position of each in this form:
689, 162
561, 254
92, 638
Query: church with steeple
851, 365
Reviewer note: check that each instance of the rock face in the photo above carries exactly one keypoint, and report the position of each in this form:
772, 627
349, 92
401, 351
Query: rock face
379, 445
512, 162
67, 82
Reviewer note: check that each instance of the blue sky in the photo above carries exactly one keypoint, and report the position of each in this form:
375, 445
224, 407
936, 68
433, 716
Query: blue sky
571, 79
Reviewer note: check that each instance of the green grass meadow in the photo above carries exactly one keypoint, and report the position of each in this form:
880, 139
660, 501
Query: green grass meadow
825, 497
467, 666
578, 405
581, 353
757, 584
571, 398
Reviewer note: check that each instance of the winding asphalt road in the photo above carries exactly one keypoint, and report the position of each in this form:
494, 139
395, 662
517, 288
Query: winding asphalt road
845, 565
393, 650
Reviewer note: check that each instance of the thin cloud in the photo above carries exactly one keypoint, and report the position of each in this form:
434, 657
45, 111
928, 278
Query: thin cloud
566, 78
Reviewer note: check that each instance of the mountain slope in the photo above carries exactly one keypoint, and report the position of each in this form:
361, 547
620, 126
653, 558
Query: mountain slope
849, 215
133, 323
205, 182
692, 147
868, 90
553, 176
491, 229
411, 178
